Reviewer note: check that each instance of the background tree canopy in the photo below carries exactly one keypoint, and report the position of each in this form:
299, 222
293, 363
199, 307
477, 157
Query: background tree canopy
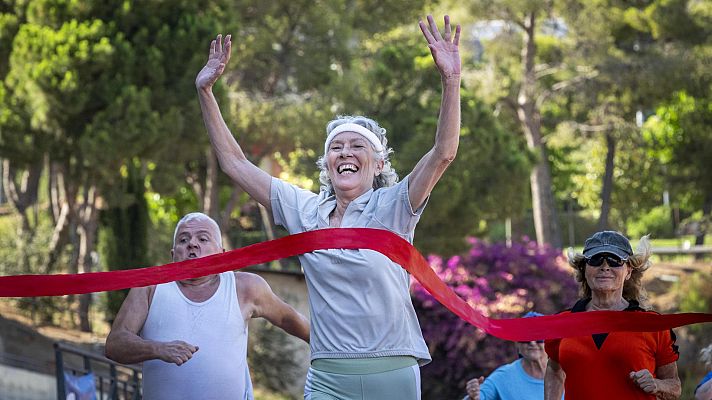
576, 116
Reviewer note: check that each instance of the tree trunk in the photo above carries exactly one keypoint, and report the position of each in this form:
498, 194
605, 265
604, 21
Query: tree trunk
57, 195
87, 228
3, 199
704, 225
266, 222
208, 194
225, 216
546, 222
211, 203
127, 227
61, 208
72, 239
59, 239
607, 187
22, 195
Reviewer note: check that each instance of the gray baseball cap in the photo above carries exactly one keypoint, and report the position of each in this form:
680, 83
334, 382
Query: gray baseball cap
607, 242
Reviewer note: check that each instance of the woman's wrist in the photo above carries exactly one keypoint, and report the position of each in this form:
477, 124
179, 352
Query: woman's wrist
665, 389
450, 80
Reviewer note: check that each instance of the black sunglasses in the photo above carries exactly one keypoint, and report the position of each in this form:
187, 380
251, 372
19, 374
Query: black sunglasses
538, 341
612, 260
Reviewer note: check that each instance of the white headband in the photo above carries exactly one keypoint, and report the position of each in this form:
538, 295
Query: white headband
356, 128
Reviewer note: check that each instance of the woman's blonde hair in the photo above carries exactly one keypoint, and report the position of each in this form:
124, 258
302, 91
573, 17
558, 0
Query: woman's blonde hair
633, 287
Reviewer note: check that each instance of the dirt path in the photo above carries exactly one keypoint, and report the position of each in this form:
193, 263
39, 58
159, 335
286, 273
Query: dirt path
25, 346
661, 283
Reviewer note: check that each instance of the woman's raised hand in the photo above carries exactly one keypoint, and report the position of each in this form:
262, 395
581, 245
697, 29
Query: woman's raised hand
444, 48
217, 60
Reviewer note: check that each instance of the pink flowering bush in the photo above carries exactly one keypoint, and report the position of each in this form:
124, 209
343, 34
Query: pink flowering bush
500, 282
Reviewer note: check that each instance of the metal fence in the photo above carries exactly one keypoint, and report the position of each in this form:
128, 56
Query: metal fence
112, 380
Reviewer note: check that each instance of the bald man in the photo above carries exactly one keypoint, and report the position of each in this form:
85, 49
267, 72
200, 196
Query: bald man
191, 335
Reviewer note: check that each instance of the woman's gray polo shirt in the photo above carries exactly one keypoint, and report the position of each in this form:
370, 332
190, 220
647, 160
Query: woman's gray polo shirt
359, 300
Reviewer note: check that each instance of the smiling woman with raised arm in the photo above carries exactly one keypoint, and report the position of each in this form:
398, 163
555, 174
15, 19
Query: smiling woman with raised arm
365, 338
620, 365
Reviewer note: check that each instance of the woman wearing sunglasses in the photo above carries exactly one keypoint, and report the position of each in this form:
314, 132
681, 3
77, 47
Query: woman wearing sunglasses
621, 365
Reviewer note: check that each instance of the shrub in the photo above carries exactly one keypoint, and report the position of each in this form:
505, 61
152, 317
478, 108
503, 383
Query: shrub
500, 282
657, 222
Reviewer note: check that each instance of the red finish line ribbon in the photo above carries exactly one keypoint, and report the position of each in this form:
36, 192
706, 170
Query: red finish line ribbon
398, 250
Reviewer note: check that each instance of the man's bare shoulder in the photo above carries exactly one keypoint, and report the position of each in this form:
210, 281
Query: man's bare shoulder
251, 284
144, 289
143, 293
249, 279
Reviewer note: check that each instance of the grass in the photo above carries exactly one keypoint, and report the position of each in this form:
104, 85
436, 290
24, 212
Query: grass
679, 241
682, 243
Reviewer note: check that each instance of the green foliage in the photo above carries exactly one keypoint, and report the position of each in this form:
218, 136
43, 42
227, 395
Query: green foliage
26, 256
17, 249
680, 136
8, 229
116, 62
639, 57
9, 24
99, 88
123, 92
696, 296
396, 84
297, 46
657, 222
491, 166
125, 238
673, 19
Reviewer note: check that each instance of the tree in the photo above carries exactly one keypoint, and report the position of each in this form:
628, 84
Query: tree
21, 175
289, 56
394, 82
123, 98
124, 238
631, 46
586, 72
523, 93
680, 137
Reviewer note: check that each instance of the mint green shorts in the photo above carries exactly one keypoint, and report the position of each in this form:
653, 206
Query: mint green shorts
351, 380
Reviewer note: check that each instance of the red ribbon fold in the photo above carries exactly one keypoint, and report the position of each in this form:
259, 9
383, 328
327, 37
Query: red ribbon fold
398, 250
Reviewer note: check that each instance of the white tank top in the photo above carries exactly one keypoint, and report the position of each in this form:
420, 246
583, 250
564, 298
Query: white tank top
218, 370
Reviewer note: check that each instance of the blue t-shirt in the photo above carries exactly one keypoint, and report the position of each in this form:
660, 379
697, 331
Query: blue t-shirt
704, 380
510, 382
